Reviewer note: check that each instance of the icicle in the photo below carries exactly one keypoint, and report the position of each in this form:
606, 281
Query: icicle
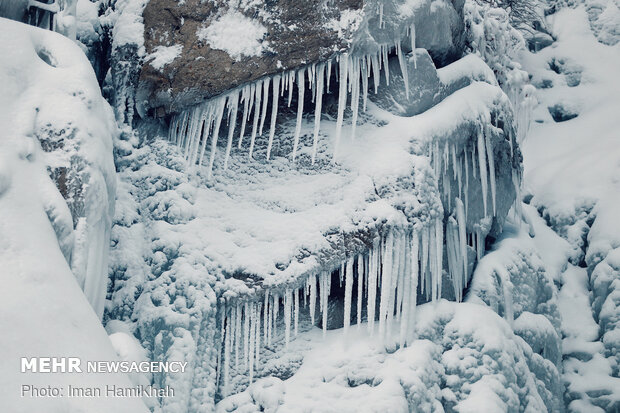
266, 317
216, 129
365, 75
412, 36
402, 262
438, 256
348, 290
227, 346
394, 272
312, 280
311, 80
257, 335
386, 65
466, 189
386, 284
490, 158
424, 247
276, 310
296, 304
324, 300
270, 321
360, 288
462, 225
218, 363
405, 296
415, 243
252, 342
202, 133
274, 114
482, 163
258, 97
237, 335
372, 288
317, 109
265, 102
380, 15
355, 93
300, 110
453, 252
403, 66
342, 99
246, 334
291, 82
233, 106
329, 73
376, 69
287, 317
248, 99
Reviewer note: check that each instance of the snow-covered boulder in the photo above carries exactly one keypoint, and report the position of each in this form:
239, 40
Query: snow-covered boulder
74, 127
55, 142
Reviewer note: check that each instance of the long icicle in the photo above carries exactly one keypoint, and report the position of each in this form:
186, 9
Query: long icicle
300, 109
216, 132
233, 106
355, 94
317, 109
342, 99
360, 288
265, 102
274, 113
258, 96
248, 97
348, 293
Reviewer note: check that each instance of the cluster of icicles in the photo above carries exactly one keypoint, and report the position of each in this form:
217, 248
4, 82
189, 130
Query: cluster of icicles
397, 266
393, 271
192, 129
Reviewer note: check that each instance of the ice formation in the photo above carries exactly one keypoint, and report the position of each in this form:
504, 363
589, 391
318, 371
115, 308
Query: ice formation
398, 267
192, 129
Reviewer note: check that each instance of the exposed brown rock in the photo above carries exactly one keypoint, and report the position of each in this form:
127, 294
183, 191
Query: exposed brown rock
296, 34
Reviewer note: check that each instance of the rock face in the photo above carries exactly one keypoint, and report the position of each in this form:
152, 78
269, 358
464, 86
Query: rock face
197, 50
56, 171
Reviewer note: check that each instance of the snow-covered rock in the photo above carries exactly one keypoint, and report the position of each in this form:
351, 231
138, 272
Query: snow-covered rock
53, 118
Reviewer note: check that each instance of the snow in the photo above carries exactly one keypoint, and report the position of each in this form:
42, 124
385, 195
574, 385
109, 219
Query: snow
572, 170
236, 34
45, 312
164, 55
128, 25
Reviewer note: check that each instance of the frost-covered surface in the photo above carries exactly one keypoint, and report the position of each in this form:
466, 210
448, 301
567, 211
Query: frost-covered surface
49, 91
